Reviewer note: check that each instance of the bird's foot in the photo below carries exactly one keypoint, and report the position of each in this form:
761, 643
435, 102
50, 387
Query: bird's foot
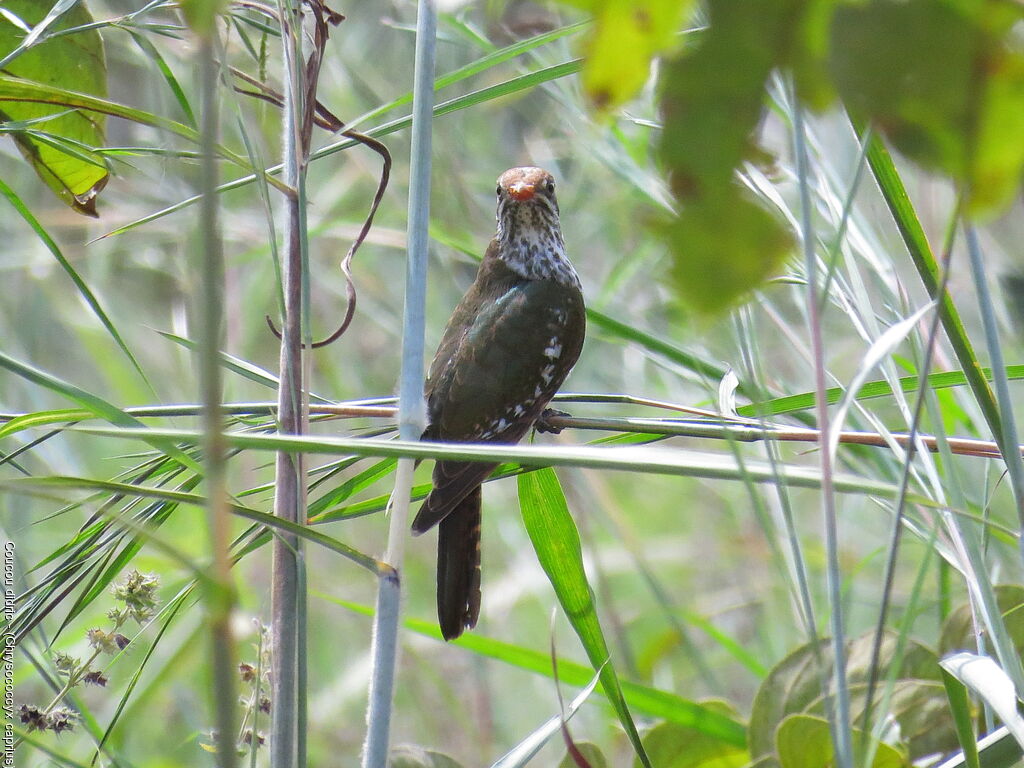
543, 423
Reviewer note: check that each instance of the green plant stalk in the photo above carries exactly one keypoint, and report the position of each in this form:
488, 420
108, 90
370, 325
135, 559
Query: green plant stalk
651, 460
289, 476
839, 712
219, 593
410, 404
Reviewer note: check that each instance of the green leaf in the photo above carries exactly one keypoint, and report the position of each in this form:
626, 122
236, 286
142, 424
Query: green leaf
961, 112
591, 753
723, 243
410, 756
806, 742
557, 543
724, 248
627, 34
670, 745
918, 702
872, 389
74, 62
958, 631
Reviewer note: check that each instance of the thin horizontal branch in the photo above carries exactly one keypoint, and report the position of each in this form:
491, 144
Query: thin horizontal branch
724, 428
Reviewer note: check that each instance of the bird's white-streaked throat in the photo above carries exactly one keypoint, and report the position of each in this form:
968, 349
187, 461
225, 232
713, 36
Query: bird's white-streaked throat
530, 242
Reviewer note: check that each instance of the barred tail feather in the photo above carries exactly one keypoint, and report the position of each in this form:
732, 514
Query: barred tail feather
458, 567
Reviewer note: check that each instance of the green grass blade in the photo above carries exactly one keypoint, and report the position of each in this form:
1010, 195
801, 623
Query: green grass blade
960, 706
516, 84
25, 484
871, 389
656, 703
97, 405
87, 295
903, 213
482, 64
147, 47
243, 368
654, 460
557, 543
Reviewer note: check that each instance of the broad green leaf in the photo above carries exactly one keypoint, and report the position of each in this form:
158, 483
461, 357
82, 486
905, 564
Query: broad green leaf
627, 34
803, 741
918, 702
557, 543
944, 81
410, 756
670, 745
74, 62
591, 753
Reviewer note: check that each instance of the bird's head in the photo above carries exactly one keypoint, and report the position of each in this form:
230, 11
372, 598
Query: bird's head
529, 235
524, 190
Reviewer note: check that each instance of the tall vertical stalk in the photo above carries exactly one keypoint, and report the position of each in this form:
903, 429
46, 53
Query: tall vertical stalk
841, 733
289, 478
220, 594
410, 408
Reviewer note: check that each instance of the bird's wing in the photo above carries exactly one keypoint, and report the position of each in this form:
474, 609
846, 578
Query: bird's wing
503, 371
515, 353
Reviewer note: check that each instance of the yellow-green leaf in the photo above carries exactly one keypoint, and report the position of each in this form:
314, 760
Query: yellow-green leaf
56, 141
803, 741
625, 37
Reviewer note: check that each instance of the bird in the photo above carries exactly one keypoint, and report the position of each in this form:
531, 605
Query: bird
510, 343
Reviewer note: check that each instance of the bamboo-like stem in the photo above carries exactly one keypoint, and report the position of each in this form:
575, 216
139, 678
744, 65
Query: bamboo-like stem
840, 710
289, 477
220, 593
410, 410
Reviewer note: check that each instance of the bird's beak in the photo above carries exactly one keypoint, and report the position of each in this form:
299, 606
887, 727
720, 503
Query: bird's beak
520, 191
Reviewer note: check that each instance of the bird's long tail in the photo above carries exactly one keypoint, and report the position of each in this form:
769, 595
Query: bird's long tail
458, 567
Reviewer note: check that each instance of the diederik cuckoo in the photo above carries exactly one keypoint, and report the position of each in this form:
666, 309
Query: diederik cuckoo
506, 350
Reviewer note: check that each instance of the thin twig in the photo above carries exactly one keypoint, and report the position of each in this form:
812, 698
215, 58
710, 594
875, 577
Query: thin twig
324, 118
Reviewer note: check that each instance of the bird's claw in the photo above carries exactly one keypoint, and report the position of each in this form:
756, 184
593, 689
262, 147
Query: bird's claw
543, 423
